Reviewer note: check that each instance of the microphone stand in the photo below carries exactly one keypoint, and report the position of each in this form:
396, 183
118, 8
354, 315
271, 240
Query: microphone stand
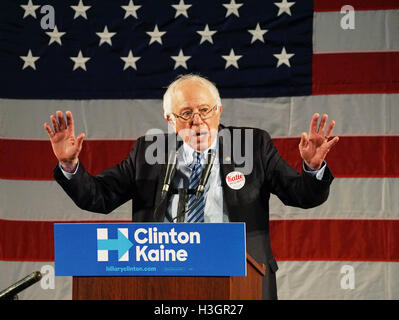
181, 214
205, 173
11, 292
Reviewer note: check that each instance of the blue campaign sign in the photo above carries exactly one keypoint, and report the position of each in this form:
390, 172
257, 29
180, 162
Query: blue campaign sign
150, 249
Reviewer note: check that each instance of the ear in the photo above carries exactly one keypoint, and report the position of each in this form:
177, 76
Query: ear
219, 111
172, 121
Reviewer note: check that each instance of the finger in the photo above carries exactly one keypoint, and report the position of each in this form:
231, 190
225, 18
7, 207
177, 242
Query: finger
304, 140
313, 123
79, 139
48, 129
55, 123
70, 122
61, 120
330, 128
322, 124
332, 143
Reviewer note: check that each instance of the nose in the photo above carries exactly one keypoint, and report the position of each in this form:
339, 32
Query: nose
197, 120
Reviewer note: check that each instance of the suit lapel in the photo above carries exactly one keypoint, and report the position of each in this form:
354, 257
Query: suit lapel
226, 166
162, 207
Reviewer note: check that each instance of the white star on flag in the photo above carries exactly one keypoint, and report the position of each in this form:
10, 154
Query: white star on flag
180, 60
30, 9
80, 10
130, 61
231, 59
232, 8
181, 8
80, 61
29, 60
105, 36
206, 34
284, 58
284, 7
257, 33
156, 35
131, 10
55, 36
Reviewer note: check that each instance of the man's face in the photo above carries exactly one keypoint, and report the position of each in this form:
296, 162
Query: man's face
193, 96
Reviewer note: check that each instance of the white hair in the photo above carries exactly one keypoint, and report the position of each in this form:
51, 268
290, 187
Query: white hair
167, 97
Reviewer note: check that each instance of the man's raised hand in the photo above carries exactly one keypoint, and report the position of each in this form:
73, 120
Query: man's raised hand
314, 146
66, 146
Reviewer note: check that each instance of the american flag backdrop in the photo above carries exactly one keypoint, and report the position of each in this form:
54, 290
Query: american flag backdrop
275, 63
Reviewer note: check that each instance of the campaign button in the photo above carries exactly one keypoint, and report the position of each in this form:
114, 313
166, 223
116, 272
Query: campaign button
235, 180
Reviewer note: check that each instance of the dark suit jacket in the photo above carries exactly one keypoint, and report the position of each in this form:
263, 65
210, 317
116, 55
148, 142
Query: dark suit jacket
135, 179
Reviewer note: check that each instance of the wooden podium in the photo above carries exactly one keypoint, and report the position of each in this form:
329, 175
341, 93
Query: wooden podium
172, 288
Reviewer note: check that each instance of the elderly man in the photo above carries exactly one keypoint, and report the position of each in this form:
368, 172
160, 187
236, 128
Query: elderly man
192, 106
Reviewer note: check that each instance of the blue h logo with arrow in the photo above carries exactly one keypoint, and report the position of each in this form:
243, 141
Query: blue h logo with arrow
122, 244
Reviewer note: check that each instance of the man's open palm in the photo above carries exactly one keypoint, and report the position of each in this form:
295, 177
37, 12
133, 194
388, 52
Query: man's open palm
65, 145
315, 145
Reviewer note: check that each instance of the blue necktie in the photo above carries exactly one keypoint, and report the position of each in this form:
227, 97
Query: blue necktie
196, 213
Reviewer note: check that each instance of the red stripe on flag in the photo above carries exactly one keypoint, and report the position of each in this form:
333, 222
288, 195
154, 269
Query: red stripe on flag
365, 72
336, 5
26, 240
353, 156
35, 160
355, 240
22, 240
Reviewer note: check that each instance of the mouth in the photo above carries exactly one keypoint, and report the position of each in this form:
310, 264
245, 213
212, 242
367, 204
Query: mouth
199, 140
201, 134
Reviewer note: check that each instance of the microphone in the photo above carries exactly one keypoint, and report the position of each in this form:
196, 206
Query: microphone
205, 173
13, 290
170, 172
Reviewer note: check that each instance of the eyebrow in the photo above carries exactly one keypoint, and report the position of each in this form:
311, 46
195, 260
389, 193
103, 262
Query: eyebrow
197, 106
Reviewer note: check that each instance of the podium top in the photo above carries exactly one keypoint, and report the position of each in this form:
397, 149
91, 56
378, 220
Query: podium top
260, 267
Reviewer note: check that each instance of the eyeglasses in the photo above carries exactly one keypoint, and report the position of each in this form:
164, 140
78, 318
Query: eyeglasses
204, 111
